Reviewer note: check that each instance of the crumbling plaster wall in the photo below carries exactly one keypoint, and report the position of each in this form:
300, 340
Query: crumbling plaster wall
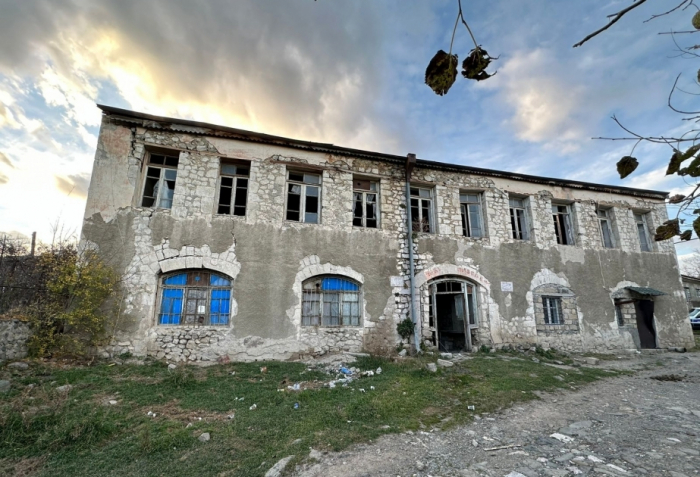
264, 254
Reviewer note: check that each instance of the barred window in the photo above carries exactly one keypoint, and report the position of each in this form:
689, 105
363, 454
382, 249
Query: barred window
330, 301
552, 310
195, 298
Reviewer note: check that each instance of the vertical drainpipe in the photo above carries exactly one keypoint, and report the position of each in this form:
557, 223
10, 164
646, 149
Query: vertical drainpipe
410, 164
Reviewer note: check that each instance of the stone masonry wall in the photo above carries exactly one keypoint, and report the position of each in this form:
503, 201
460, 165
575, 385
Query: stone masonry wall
13, 339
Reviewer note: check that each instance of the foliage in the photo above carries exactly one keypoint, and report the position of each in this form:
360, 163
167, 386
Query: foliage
68, 314
80, 433
405, 329
441, 72
474, 65
627, 166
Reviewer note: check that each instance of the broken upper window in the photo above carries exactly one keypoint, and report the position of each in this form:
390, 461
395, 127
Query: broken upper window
422, 210
159, 185
303, 197
365, 207
233, 189
518, 219
606, 228
195, 298
552, 310
562, 224
472, 224
330, 301
643, 231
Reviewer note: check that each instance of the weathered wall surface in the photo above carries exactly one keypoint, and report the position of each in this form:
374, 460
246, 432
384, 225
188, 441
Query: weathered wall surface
268, 258
13, 339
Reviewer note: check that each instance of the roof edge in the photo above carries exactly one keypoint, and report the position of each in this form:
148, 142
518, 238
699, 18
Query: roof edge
253, 136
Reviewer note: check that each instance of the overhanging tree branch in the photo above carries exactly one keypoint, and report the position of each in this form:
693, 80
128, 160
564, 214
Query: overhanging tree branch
615, 18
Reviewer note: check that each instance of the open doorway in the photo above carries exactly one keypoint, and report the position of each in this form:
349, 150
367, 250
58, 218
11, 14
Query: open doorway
645, 323
452, 314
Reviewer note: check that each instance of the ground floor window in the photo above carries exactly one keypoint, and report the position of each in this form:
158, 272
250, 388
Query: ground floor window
330, 301
195, 298
552, 310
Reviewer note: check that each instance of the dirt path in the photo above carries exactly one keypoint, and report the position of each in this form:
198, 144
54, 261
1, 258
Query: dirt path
625, 426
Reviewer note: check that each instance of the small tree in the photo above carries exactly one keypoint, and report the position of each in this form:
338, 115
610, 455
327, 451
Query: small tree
69, 313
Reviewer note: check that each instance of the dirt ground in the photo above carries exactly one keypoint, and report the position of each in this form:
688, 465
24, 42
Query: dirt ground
644, 424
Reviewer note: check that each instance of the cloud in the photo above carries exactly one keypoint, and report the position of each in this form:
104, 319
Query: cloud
6, 160
75, 185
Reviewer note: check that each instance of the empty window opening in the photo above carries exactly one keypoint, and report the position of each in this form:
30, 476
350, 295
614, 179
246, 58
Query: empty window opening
472, 224
303, 197
618, 315
330, 301
552, 310
686, 290
233, 191
562, 224
605, 228
643, 232
518, 219
159, 186
421, 210
697, 292
194, 299
365, 208
452, 311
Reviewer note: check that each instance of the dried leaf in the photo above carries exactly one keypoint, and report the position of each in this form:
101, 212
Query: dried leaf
696, 226
685, 236
696, 211
696, 20
441, 72
676, 199
626, 166
668, 230
474, 66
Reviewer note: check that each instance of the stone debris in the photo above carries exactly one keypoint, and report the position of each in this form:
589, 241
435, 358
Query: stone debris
112, 402
4, 386
253, 407
277, 469
432, 367
314, 454
563, 438
64, 389
172, 366
444, 363
516, 474
403, 353
18, 365
205, 437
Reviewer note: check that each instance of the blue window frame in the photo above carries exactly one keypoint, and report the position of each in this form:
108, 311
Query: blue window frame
331, 301
195, 298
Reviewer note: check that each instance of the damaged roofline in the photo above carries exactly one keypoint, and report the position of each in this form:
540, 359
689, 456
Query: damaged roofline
196, 127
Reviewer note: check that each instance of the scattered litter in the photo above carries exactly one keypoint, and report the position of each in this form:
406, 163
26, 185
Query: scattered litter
204, 437
378, 371
619, 469
263, 369
475, 443
113, 402
562, 438
371, 388
503, 447
488, 439
368, 373
295, 387
253, 407
595, 459
296, 405
673, 439
345, 370
189, 424
362, 390
233, 373
231, 416
471, 408
151, 414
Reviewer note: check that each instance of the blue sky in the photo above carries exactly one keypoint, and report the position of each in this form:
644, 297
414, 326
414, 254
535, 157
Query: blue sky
349, 73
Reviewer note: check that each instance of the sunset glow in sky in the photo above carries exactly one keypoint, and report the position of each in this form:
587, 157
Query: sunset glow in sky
348, 73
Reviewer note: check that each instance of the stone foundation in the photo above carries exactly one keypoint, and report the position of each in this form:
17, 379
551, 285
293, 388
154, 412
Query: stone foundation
13, 339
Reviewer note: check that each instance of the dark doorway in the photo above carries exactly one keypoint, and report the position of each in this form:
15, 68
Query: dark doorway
453, 304
645, 323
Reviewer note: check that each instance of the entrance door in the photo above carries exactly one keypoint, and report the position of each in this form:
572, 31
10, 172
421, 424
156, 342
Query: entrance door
645, 323
451, 315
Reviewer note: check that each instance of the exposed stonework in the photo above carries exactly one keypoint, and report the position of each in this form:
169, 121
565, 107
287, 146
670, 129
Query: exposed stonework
13, 339
268, 258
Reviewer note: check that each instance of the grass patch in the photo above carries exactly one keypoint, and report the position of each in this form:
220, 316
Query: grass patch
80, 433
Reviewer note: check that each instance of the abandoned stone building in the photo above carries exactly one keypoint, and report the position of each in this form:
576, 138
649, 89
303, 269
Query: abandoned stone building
240, 245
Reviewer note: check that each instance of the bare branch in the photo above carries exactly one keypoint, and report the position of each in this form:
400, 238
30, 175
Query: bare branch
615, 18
689, 2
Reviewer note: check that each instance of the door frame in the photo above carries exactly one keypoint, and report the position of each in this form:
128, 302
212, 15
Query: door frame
432, 290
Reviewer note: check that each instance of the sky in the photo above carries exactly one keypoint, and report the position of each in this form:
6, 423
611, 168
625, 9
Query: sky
349, 73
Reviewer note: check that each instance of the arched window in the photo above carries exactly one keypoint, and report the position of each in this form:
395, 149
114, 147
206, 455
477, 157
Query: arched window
331, 301
195, 298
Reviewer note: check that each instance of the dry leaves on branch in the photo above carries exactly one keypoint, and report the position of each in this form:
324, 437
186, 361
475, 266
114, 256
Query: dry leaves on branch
626, 166
441, 72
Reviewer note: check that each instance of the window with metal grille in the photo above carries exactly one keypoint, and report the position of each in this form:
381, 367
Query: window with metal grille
233, 189
195, 298
159, 184
472, 224
562, 224
643, 232
606, 228
552, 310
518, 219
422, 210
366, 199
330, 301
303, 197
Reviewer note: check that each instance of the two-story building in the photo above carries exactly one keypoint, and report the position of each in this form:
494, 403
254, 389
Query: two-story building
239, 245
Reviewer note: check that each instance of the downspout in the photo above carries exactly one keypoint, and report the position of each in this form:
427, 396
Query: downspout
410, 164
